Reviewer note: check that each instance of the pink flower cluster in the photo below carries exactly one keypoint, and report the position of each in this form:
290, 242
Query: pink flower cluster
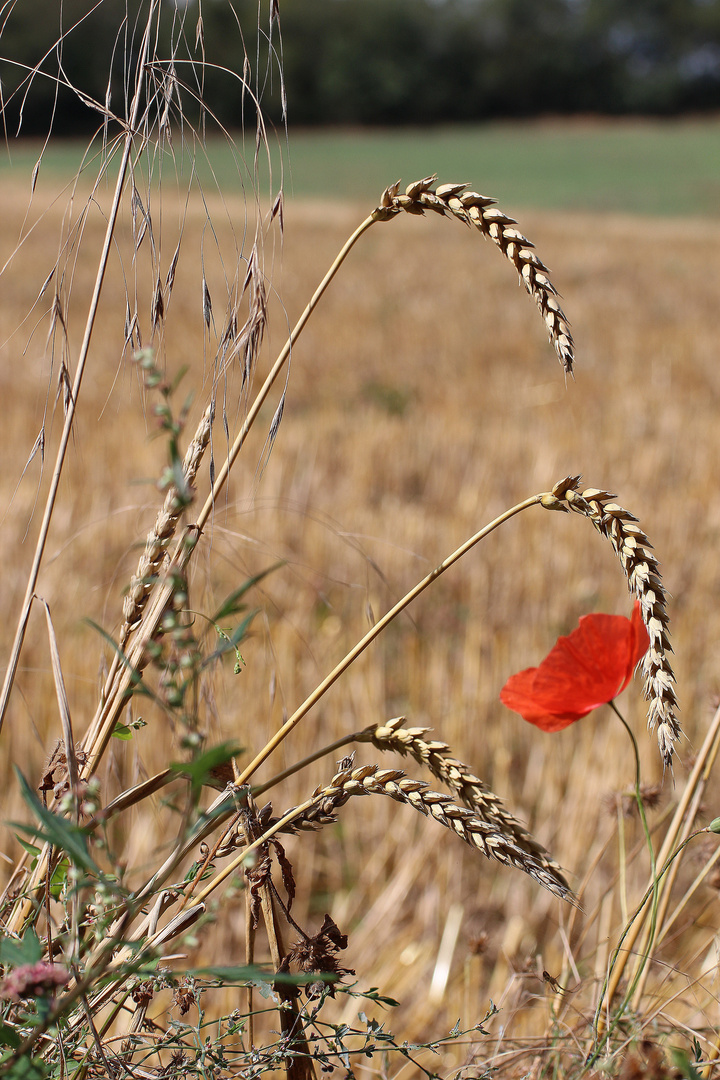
34, 980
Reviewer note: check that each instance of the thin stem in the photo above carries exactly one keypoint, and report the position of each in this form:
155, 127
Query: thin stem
82, 359
592, 1057
680, 826
696, 787
277, 368
376, 630
638, 794
622, 858
300, 765
653, 890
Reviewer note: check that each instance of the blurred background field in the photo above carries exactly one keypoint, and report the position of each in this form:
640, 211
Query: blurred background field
422, 401
632, 165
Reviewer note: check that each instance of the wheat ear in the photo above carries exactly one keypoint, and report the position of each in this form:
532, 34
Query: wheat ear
480, 211
642, 570
485, 835
162, 532
471, 791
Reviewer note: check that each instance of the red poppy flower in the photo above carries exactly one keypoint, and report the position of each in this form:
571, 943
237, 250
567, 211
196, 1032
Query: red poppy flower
587, 668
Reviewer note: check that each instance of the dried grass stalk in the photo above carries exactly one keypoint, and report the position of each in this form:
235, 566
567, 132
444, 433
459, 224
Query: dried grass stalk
643, 576
486, 835
480, 211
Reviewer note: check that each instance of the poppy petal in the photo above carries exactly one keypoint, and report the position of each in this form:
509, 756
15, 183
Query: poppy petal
583, 670
517, 694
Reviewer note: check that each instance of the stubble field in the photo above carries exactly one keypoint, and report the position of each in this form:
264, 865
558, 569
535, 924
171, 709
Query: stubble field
422, 400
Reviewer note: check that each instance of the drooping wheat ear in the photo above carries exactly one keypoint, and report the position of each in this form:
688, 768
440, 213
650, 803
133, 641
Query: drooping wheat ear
485, 835
162, 532
471, 791
479, 210
643, 576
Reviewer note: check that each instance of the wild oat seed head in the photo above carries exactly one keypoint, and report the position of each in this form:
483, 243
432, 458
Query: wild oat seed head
478, 210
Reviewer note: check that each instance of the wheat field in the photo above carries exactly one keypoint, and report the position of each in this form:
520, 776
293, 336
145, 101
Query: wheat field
422, 401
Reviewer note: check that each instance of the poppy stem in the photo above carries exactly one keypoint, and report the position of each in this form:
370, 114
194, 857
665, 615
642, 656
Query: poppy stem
650, 892
653, 890
638, 792
636, 752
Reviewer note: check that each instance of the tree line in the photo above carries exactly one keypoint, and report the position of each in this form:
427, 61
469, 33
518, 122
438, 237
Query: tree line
383, 62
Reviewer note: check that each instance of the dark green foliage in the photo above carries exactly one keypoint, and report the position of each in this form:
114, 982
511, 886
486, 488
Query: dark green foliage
368, 61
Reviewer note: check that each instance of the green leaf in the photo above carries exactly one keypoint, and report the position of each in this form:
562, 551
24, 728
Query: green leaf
373, 995
199, 769
59, 877
229, 642
240, 631
9, 1037
28, 950
182, 372
121, 731
683, 1064
230, 605
26, 1069
55, 830
30, 848
236, 974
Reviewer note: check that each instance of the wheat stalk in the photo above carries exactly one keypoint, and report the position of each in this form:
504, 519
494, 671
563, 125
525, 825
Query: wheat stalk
480, 211
642, 570
490, 835
144, 608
